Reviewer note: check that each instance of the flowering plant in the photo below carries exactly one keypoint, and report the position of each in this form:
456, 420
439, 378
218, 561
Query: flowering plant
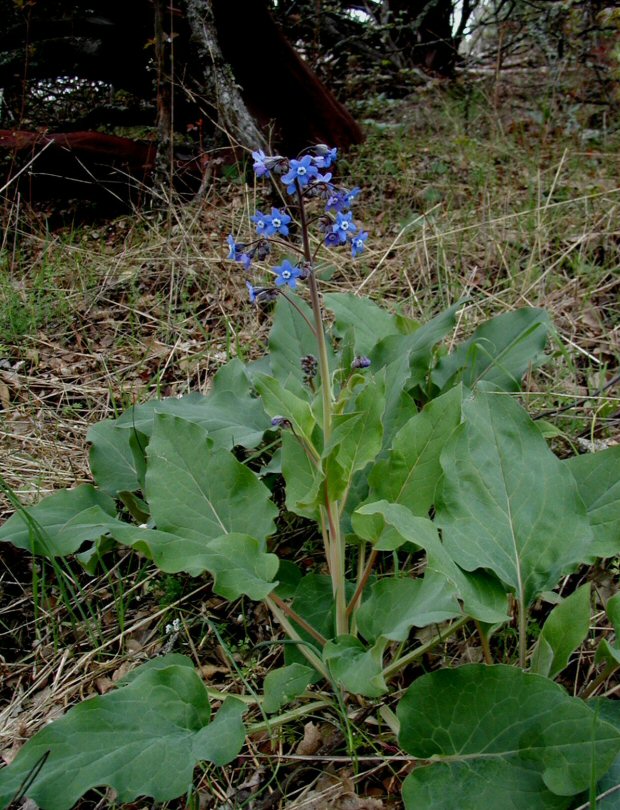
440, 509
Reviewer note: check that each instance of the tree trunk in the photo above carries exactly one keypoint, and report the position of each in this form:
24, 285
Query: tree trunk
278, 86
422, 33
232, 114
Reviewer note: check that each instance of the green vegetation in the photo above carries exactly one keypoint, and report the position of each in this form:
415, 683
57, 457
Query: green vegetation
462, 205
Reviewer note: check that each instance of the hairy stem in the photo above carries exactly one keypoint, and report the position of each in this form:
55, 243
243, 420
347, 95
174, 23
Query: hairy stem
298, 620
335, 547
318, 320
362, 581
292, 633
600, 679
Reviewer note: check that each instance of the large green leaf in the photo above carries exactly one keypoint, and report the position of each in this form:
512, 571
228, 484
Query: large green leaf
143, 739
356, 438
112, 461
500, 351
411, 471
563, 632
314, 602
500, 738
230, 414
238, 563
482, 595
284, 684
598, 480
354, 667
396, 605
370, 322
279, 400
60, 523
302, 478
418, 346
608, 651
291, 337
196, 490
608, 789
507, 503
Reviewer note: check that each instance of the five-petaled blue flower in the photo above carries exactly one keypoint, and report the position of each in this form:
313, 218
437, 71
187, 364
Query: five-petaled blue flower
357, 243
262, 221
277, 222
303, 171
344, 226
287, 274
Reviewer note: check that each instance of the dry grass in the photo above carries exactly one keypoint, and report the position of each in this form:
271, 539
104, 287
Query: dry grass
478, 200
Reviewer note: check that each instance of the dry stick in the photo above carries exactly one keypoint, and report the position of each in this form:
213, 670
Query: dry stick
578, 402
23, 169
393, 245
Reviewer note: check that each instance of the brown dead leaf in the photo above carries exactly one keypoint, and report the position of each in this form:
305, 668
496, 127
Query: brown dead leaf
209, 670
104, 684
123, 670
335, 792
5, 396
311, 742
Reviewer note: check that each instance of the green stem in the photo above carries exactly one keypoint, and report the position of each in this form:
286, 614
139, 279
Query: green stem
484, 640
414, 655
297, 618
335, 548
600, 679
299, 310
287, 717
318, 320
362, 581
292, 633
522, 632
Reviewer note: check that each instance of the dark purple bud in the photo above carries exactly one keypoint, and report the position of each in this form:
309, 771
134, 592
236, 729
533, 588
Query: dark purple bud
309, 366
281, 422
304, 271
263, 249
360, 362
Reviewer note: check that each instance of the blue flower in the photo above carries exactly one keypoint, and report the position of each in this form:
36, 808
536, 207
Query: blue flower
277, 222
332, 239
262, 222
344, 226
287, 274
302, 171
235, 249
324, 156
341, 200
237, 252
260, 295
260, 165
252, 292
357, 243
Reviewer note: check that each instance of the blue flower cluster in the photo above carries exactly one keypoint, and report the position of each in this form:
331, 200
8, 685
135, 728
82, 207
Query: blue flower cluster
307, 178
